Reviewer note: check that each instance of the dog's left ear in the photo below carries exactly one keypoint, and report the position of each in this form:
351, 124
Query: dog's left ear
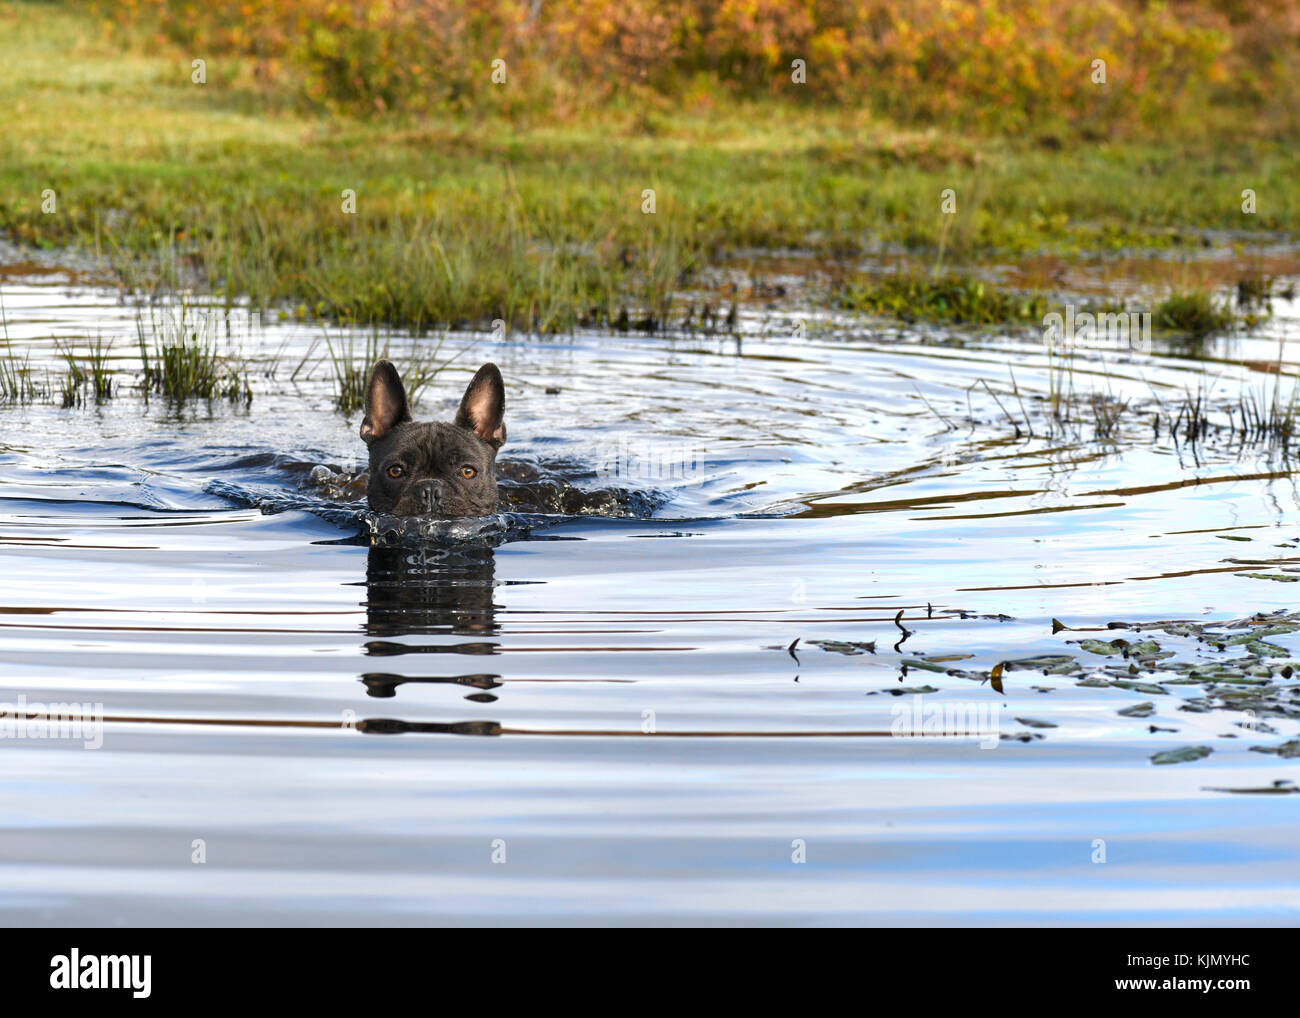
483, 407
385, 403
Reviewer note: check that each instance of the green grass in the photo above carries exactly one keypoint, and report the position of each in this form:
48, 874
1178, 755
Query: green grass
1195, 313
178, 351
85, 377
956, 299
16, 383
351, 363
948, 298
462, 221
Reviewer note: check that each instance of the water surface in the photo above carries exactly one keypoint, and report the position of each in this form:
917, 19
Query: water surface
607, 718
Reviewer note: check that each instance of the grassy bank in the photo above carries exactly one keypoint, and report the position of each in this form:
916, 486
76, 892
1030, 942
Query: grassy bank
463, 219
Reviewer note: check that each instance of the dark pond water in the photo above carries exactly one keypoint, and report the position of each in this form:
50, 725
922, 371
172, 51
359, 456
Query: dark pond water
566, 717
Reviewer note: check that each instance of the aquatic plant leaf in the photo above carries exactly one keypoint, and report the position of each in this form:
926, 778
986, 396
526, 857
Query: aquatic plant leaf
1289, 750
927, 666
1043, 662
1261, 633
1141, 687
845, 646
1184, 755
1277, 577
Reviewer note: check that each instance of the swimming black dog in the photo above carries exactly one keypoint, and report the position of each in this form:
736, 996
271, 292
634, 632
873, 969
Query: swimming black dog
433, 468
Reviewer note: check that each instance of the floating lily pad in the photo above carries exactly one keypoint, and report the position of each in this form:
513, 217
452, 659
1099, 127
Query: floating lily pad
1288, 750
1055, 663
927, 666
1264, 631
1184, 755
845, 646
1141, 687
1139, 710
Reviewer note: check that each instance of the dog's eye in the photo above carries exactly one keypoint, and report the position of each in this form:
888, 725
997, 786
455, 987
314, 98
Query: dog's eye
468, 472
396, 471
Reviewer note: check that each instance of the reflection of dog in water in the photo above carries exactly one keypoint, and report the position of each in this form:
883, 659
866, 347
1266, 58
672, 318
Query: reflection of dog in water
428, 591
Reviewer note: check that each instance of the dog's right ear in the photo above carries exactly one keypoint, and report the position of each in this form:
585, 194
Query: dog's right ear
483, 407
385, 403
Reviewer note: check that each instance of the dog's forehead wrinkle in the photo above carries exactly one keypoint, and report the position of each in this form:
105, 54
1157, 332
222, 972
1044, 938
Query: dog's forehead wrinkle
451, 439
430, 445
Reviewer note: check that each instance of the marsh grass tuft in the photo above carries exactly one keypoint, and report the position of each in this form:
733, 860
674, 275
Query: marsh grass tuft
88, 376
959, 300
180, 357
963, 300
351, 362
1194, 313
1254, 289
1107, 413
16, 383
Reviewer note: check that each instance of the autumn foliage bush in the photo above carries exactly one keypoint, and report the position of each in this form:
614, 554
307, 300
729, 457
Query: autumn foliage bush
997, 64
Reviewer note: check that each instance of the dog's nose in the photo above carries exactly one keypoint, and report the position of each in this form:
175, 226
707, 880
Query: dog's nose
430, 494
